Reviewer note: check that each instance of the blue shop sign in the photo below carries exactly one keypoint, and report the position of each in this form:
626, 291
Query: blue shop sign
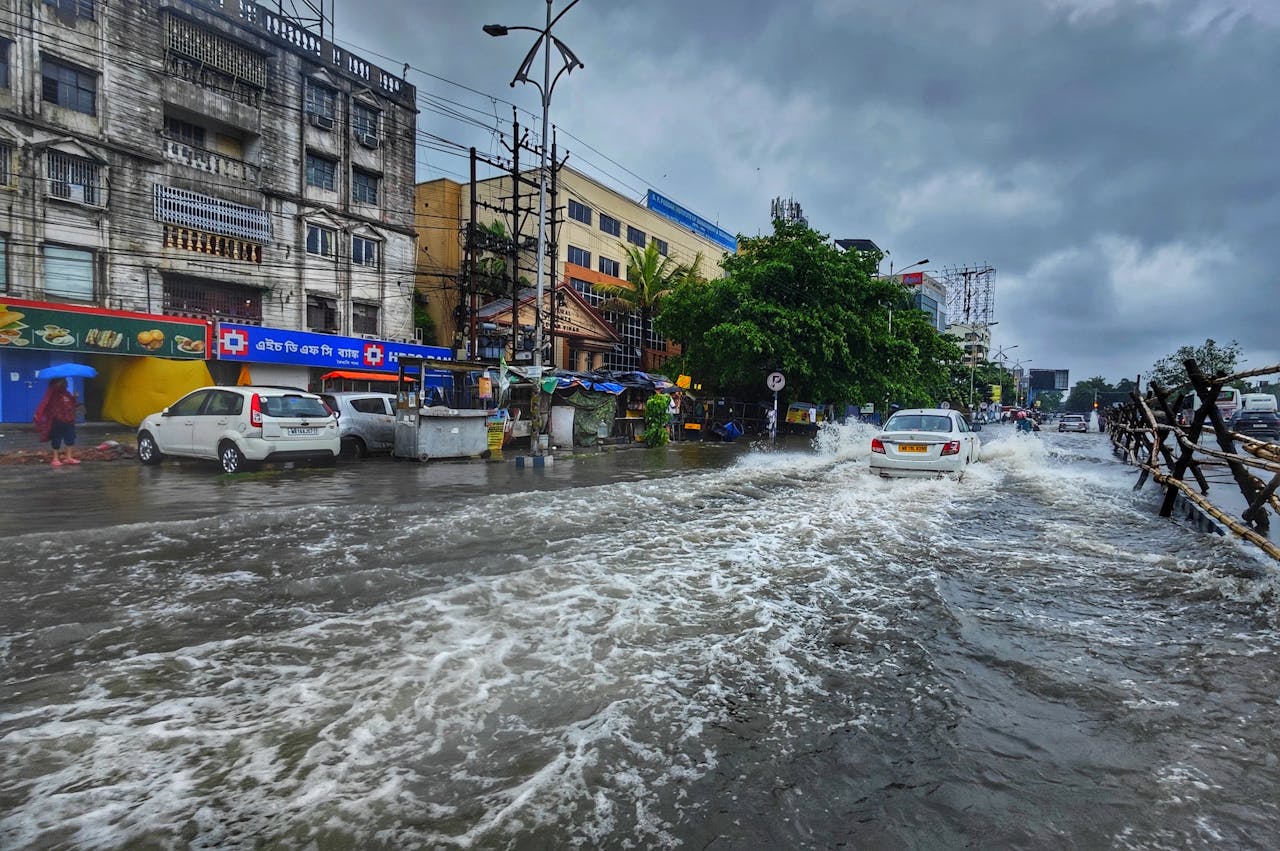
255, 344
667, 208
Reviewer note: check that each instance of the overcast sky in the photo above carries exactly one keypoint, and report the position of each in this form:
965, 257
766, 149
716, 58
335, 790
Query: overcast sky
1116, 161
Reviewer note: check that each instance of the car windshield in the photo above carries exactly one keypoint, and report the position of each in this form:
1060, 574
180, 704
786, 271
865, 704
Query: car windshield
918, 422
293, 406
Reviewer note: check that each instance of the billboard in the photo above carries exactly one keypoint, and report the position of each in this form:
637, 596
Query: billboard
669, 209
1049, 379
912, 279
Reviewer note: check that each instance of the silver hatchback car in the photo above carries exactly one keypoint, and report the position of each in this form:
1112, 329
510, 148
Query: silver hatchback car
366, 421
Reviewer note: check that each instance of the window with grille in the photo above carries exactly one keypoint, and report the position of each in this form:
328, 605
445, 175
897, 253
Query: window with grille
364, 120
213, 215
185, 296
5, 44
73, 8
184, 131
662, 246
321, 101
579, 212
73, 178
68, 272
211, 51
610, 225
364, 187
635, 236
364, 251
321, 241
321, 172
364, 318
322, 313
8, 175
579, 256
609, 267
68, 87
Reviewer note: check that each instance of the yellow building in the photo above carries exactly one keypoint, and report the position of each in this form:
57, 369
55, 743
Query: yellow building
592, 223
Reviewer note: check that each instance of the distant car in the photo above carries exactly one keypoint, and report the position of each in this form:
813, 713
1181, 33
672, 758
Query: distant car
366, 421
924, 442
241, 426
1264, 425
1073, 422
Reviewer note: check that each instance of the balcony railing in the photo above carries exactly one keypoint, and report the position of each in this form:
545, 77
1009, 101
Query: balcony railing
210, 161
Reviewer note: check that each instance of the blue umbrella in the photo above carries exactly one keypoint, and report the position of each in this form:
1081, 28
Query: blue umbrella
68, 370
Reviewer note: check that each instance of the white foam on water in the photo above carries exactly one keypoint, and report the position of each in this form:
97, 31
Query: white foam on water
580, 678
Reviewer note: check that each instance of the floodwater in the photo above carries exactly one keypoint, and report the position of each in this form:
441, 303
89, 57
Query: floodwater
696, 647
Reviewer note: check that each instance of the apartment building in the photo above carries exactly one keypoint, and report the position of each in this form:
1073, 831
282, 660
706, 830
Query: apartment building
593, 223
198, 166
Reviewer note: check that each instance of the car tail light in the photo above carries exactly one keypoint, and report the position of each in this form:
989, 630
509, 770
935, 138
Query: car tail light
952, 448
877, 445
255, 411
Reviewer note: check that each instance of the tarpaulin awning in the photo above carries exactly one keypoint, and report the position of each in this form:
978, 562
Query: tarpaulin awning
355, 375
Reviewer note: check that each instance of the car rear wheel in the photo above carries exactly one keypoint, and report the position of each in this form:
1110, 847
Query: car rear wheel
353, 448
148, 452
231, 458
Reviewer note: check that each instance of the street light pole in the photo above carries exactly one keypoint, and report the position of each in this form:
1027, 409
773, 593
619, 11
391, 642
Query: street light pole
548, 84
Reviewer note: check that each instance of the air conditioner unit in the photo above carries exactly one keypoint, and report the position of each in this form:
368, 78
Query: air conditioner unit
324, 122
369, 337
369, 140
75, 192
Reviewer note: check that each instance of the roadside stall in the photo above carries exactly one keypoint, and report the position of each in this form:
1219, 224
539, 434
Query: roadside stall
436, 413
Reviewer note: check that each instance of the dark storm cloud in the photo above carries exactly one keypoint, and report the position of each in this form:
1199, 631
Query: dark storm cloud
1101, 154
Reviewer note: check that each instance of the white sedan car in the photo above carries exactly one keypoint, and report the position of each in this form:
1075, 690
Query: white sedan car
924, 442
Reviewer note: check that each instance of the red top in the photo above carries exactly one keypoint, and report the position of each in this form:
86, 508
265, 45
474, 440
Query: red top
62, 406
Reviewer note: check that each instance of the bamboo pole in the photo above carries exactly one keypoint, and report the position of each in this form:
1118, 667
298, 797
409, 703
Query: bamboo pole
1222, 517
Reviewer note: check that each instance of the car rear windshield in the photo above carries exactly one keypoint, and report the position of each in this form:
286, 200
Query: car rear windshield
918, 422
293, 406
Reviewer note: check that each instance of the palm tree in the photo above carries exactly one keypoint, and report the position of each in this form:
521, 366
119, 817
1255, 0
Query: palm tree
650, 277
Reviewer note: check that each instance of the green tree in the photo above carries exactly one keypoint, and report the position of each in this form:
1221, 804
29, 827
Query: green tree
1082, 395
793, 302
652, 277
1211, 357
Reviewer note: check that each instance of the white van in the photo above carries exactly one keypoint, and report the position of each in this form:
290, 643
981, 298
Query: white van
1257, 402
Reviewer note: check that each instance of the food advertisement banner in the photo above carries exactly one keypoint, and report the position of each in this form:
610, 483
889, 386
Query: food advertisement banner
33, 325
254, 344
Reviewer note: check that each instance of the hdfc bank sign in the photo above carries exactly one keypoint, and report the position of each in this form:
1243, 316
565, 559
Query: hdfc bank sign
255, 344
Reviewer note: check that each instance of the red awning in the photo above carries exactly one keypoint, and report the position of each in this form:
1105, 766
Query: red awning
363, 376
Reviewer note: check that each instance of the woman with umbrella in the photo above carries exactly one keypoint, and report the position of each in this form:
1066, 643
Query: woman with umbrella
55, 417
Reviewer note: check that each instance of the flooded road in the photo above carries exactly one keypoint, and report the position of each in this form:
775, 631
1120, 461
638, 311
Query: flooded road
695, 647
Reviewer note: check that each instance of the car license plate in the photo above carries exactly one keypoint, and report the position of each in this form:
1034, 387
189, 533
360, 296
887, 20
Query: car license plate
303, 431
912, 447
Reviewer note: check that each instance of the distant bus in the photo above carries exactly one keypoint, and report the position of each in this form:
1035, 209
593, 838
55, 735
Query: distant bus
1228, 403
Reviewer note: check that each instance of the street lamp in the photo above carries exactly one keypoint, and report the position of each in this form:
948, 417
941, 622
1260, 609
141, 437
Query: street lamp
545, 41
905, 268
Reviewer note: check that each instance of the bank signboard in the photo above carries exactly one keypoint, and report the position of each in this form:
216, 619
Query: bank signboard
43, 326
255, 344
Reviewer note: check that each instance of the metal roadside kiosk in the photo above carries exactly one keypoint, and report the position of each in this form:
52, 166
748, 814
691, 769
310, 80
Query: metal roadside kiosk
424, 430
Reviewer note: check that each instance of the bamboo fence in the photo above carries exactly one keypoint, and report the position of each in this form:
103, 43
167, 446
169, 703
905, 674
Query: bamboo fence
1147, 433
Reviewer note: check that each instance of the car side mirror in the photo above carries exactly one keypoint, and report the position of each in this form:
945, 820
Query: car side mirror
977, 426
165, 412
